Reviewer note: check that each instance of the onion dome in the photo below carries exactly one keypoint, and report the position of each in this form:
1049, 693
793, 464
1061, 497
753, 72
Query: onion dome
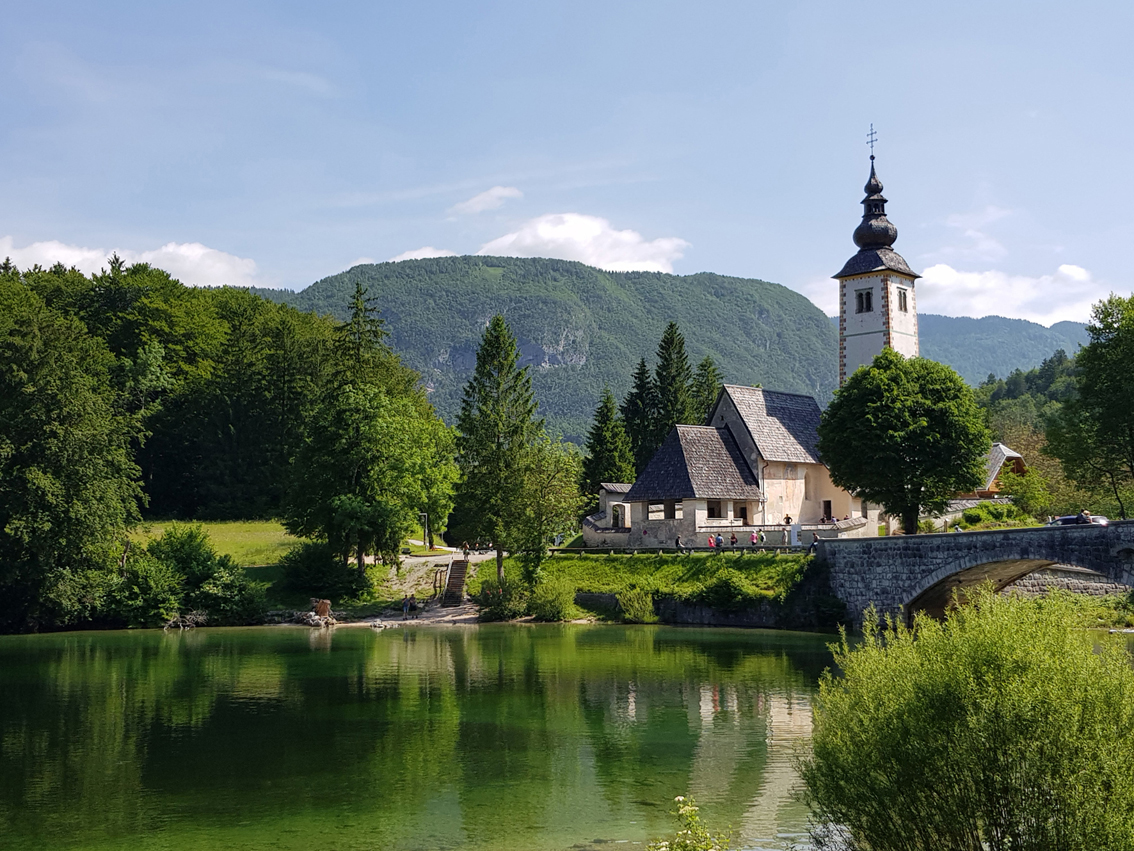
875, 235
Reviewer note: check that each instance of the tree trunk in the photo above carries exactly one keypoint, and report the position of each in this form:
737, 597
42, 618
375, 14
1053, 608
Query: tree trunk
361, 561
500, 564
909, 520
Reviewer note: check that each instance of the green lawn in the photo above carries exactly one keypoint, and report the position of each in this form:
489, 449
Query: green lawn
249, 542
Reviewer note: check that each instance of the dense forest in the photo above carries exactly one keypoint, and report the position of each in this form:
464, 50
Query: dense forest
582, 328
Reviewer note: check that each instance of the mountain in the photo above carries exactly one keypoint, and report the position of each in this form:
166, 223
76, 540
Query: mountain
994, 344
580, 328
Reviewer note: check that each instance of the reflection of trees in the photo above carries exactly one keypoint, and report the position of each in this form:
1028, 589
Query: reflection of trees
489, 737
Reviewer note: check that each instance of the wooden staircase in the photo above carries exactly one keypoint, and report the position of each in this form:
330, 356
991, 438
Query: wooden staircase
454, 593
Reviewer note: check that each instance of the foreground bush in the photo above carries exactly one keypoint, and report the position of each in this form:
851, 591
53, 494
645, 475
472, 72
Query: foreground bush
1001, 728
691, 834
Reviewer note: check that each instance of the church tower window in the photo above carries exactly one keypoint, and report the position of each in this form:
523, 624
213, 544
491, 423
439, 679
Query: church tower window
903, 302
864, 301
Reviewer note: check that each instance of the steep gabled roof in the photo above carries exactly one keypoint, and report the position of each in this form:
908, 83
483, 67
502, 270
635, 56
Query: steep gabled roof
997, 456
696, 462
784, 426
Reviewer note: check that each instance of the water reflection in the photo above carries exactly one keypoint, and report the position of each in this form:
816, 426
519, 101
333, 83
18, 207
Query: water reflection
486, 738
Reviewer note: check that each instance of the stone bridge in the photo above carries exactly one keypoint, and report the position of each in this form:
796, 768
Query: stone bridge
904, 574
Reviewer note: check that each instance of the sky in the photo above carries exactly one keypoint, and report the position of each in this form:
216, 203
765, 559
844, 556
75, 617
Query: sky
274, 144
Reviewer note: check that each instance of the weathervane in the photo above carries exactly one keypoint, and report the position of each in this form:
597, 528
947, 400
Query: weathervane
871, 138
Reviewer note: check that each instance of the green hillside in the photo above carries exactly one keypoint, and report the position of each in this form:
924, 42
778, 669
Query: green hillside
994, 344
580, 327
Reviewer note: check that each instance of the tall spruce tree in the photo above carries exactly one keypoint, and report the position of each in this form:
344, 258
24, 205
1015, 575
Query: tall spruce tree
609, 456
639, 414
495, 429
672, 378
703, 391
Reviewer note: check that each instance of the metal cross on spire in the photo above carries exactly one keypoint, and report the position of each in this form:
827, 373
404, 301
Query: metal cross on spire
871, 138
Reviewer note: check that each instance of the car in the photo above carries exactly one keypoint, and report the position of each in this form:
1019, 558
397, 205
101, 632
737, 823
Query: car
1073, 520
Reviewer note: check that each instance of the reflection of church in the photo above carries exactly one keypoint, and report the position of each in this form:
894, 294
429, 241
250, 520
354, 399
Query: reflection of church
753, 466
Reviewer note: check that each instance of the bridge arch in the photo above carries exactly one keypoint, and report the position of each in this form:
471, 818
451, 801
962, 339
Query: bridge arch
904, 574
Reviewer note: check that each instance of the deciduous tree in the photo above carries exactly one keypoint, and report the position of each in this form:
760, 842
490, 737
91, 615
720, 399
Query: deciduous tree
904, 434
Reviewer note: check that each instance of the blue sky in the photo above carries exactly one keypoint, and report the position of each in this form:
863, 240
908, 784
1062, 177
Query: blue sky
277, 143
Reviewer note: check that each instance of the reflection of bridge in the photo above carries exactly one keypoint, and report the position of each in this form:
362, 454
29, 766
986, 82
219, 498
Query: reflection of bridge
920, 572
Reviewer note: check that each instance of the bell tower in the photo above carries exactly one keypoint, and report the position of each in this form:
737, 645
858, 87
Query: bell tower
877, 305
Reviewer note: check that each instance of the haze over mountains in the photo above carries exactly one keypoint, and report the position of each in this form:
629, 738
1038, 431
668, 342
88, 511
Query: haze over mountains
580, 328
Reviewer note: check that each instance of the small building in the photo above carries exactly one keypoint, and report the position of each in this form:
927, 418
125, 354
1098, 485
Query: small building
1000, 459
610, 525
754, 466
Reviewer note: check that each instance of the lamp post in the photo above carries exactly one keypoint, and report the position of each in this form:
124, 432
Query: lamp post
424, 518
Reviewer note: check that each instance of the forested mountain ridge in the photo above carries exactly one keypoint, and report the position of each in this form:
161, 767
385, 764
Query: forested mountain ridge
580, 328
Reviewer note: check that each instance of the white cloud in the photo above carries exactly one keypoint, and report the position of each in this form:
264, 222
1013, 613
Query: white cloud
190, 262
590, 240
489, 199
1067, 294
977, 245
421, 253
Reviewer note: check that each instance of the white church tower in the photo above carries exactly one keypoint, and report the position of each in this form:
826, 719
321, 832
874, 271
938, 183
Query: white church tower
877, 306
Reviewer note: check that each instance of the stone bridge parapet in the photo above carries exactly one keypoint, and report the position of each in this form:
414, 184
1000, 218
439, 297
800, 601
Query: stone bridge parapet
906, 573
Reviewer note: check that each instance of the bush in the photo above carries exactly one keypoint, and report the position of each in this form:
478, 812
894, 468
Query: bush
991, 515
502, 601
553, 600
1000, 728
312, 569
227, 598
691, 834
146, 592
637, 606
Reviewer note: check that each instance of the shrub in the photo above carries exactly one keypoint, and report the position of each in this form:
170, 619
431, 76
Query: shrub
691, 834
312, 569
227, 598
990, 515
553, 600
637, 605
502, 601
1000, 728
146, 593
186, 550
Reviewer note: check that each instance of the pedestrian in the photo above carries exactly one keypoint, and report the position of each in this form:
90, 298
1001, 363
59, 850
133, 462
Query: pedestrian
465, 550
405, 607
720, 542
732, 540
677, 544
754, 538
413, 606
712, 541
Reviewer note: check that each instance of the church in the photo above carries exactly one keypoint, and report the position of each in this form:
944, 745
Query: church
753, 466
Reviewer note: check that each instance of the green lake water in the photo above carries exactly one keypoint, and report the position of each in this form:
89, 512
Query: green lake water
492, 737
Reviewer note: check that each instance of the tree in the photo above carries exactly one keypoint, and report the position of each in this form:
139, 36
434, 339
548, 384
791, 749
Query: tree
495, 428
639, 413
703, 392
672, 378
609, 457
1093, 435
999, 729
905, 434
68, 484
549, 501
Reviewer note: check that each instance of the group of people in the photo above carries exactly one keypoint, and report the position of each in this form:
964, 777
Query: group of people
717, 542
409, 607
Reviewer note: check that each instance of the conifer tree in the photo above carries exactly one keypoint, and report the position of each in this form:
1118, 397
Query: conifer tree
609, 458
639, 416
672, 378
704, 390
495, 429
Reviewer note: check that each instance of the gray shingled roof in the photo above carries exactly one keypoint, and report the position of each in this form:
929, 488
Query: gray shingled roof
784, 426
876, 260
997, 455
616, 487
696, 462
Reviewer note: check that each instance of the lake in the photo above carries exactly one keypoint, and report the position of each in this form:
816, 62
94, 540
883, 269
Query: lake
533, 737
